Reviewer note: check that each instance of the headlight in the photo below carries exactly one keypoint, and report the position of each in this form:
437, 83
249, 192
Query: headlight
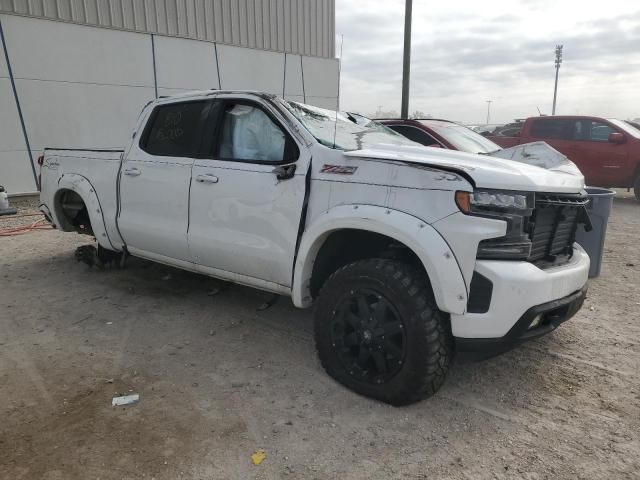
480, 201
514, 208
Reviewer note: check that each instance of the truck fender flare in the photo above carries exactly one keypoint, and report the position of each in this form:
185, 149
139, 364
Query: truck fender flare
83, 187
438, 259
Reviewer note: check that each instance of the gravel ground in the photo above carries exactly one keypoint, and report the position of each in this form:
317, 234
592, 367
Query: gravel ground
219, 380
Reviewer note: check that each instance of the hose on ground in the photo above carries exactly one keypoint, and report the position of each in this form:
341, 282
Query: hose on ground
37, 225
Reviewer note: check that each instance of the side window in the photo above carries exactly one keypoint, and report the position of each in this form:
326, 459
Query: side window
554, 128
415, 134
249, 134
174, 130
599, 132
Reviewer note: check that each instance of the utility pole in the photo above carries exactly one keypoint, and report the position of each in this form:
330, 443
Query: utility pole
406, 60
555, 89
488, 110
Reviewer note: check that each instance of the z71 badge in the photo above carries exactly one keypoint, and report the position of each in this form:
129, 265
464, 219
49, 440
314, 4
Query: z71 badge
338, 169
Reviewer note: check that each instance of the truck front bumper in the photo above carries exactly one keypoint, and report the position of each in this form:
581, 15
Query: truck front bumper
526, 302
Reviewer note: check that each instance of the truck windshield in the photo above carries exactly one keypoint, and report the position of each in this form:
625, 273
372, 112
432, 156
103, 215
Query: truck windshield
342, 130
463, 138
634, 132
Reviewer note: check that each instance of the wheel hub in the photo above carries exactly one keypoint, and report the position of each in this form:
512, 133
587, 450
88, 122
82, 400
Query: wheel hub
369, 336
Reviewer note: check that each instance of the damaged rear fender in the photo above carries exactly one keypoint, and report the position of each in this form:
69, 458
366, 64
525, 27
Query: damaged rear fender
86, 191
437, 258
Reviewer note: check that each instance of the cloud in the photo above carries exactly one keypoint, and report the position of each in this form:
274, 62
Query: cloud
465, 52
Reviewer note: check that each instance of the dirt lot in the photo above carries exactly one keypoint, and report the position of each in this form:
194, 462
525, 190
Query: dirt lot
219, 380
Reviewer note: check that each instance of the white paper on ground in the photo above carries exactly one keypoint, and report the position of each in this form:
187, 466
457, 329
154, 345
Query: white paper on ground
126, 400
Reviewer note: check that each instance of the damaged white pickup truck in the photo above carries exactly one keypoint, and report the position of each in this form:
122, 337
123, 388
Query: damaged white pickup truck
409, 253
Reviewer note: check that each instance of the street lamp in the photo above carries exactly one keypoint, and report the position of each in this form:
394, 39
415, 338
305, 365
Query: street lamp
555, 89
406, 60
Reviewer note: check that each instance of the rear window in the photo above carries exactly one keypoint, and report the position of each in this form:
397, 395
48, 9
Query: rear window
175, 130
415, 134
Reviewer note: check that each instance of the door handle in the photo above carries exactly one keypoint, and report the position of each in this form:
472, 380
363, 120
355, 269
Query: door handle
132, 172
207, 178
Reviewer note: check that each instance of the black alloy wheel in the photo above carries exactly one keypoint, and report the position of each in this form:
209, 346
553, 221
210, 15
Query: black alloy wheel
368, 336
379, 332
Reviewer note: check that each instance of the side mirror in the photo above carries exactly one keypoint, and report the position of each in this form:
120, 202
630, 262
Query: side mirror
616, 137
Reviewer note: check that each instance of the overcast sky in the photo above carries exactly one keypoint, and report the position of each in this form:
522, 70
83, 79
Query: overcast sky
465, 52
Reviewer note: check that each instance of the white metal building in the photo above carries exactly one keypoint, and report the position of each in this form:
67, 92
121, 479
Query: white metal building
76, 73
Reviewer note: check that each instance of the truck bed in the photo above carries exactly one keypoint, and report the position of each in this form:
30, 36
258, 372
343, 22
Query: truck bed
97, 168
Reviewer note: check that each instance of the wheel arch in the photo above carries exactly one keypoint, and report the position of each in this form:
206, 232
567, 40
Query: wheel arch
81, 186
421, 239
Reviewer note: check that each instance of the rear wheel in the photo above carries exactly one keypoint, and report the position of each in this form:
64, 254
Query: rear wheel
378, 332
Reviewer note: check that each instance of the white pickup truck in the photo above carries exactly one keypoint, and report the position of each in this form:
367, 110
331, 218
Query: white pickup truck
409, 253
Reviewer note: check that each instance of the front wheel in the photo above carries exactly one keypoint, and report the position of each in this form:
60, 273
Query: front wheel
379, 332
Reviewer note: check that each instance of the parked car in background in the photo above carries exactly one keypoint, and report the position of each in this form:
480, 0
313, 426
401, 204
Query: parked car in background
633, 123
607, 151
441, 133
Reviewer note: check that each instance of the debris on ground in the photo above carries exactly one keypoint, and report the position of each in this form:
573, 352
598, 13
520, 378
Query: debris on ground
125, 400
269, 302
258, 457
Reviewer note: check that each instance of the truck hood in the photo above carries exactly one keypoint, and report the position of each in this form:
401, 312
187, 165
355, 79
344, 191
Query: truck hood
539, 154
485, 171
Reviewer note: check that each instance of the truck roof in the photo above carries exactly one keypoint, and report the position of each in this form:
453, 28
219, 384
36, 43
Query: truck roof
213, 91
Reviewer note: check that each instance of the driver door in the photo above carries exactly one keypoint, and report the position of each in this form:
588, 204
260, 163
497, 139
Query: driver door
247, 197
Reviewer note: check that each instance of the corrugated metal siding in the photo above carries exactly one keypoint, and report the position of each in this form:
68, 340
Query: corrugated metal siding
295, 26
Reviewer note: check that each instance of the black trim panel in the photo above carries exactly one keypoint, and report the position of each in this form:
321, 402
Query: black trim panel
480, 292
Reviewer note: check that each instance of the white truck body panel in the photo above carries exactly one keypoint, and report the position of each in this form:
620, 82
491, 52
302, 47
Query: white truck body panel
519, 286
486, 171
96, 176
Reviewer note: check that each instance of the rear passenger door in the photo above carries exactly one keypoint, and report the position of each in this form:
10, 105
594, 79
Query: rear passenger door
247, 196
155, 178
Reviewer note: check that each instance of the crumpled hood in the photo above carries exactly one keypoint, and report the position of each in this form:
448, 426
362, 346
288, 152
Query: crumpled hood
539, 154
486, 171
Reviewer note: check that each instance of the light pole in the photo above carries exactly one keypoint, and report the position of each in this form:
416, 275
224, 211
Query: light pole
406, 60
555, 88
488, 110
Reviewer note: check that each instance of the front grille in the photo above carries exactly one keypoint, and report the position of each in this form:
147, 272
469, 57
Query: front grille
553, 226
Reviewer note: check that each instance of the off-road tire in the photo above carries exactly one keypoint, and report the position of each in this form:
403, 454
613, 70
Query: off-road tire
428, 343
